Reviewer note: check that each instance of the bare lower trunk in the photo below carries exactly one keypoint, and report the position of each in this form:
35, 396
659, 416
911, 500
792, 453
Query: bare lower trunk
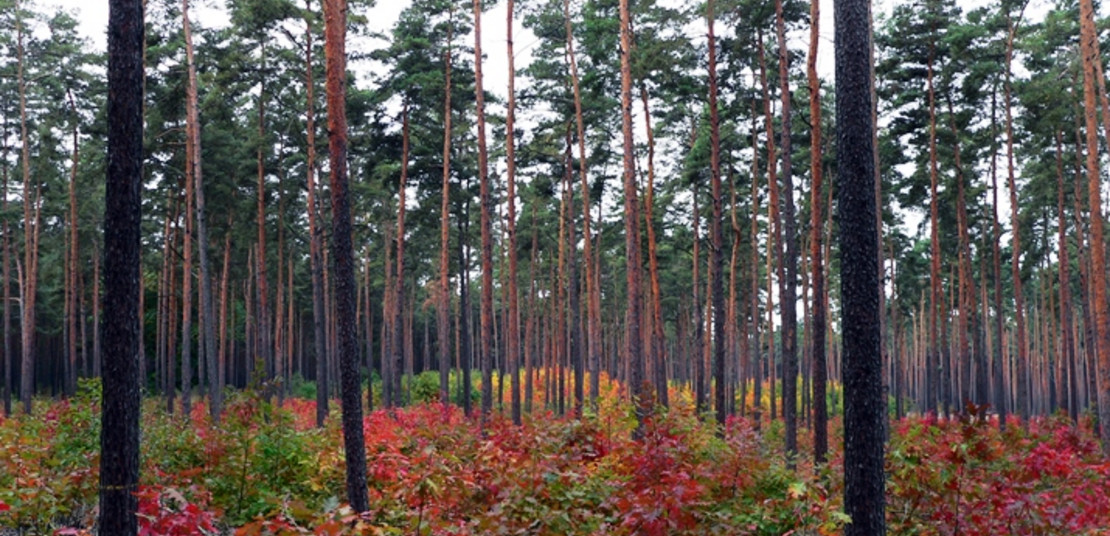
335, 14
789, 264
32, 211
817, 329
754, 315
932, 357
443, 304
187, 279
319, 338
1022, 391
593, 294
999, 398
119, 436
716, 232
1089, 53
400, 342
486, 335
633, 340
512, 347
71, 262
1067, 342
207, 308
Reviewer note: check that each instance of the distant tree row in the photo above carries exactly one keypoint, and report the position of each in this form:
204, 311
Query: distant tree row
670, 244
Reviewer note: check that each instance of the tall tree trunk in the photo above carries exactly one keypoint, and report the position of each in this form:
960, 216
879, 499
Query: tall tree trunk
225, 297
369, 308
187, 281
593, 294
7, 245
697, 356
249, 324
169, 308
86, 365
96, 305
279, 298
817, 329
864, 406
263, 314
716, 231
966, 293
658, 339
1082, 222
774, 253
559, 295
1089, 52
512, 347
740, 354
574, 326
1015, 259
354, 442
463, 324
207, 308
486, 336
400, 342
788, 284
754, 315
633, 340
932, 376
119, 433
389, 396
388, 319
290, 340
533, 319
1067, 342
32, 223
999, 399
443, 304
319, 337
71, 261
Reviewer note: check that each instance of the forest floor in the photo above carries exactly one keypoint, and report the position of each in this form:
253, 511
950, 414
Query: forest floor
266, 470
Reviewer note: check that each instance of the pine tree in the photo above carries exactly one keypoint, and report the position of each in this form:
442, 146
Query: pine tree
818, 325
1089, 54
119, 434
354, 442
864, 406
486, 337
633, 341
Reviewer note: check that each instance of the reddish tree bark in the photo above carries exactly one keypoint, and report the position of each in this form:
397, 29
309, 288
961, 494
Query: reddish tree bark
932, 375
788, 267
817, 328
486, 320
512, 353
1089, 53
593, 294
32, 218
207, 308
1067, 342
444, 302
319, 338
71, 261
716, 231
1022, 379
354, 442
400, 343
633, 341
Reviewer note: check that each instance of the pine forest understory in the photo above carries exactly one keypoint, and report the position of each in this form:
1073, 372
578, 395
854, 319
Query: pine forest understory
629, 267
